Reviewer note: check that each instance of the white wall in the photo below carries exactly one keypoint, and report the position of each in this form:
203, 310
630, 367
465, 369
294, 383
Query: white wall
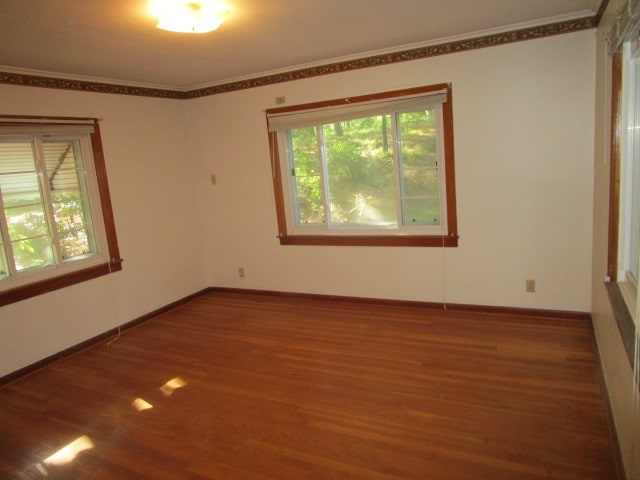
150, 172
523, 120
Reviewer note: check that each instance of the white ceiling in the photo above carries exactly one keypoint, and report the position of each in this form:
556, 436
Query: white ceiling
115, 40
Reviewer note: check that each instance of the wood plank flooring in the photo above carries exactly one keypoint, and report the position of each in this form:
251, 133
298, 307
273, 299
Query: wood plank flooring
245, 386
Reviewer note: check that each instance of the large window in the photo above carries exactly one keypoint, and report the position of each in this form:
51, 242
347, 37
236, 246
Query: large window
629, 195
624, 216
371, 170
56, 225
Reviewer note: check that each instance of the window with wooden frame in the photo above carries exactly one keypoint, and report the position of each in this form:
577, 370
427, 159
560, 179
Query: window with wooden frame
56, 221
369, 170
624, 189
629, 173
624, 235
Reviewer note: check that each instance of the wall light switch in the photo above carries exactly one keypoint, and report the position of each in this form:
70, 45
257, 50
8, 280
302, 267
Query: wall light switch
214, 180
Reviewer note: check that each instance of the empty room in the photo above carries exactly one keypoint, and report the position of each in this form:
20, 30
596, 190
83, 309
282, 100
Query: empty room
347, 239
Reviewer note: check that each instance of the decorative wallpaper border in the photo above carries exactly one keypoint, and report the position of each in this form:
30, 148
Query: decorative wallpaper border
64, 84
492, 40
403, 56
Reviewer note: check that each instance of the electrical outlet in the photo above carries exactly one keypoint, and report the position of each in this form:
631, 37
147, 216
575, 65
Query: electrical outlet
530, 286
214, 180
280, 100
241, 272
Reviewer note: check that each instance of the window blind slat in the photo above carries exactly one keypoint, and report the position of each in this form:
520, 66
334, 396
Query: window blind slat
341, 113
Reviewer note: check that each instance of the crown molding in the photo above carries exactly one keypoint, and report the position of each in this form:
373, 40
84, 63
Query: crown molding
12, 76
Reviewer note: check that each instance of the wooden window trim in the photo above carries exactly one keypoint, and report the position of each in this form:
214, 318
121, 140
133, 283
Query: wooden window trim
114, 264
450, 239
621, 313
614, 165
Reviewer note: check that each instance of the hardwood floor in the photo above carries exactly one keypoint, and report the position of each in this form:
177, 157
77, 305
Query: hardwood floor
240, 386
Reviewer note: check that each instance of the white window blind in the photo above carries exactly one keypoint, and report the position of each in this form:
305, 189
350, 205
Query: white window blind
350, 111
6, 130
45, 126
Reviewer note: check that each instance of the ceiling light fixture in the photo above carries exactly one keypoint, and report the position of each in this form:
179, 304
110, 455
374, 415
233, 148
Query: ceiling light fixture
184, 16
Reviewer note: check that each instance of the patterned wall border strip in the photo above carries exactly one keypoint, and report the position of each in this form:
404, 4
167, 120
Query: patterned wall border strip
493, 40
84, 86
403, 56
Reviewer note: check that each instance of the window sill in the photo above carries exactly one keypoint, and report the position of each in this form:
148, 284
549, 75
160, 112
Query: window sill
623, 318
371, 240
629, 294
55, 283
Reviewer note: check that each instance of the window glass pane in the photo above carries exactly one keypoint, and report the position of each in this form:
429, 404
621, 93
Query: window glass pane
26, 221
20, 189
307, 181
634, 208
418, 163
32, 252
23, 207
16, 157
4, 269
360, 171
424, 211
69, 197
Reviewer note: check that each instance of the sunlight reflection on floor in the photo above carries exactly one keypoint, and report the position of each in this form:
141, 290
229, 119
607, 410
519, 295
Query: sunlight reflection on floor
173, 384
69, 452
140, 404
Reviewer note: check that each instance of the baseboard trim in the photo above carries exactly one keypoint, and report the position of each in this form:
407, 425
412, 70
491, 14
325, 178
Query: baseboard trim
455, 307
29, 369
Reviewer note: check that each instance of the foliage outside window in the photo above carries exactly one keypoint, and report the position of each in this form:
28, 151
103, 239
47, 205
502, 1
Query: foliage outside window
372, 170
56, 225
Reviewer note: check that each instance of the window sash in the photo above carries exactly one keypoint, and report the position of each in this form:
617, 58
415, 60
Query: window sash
16, 283
629, 239
328, 226
399, 157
